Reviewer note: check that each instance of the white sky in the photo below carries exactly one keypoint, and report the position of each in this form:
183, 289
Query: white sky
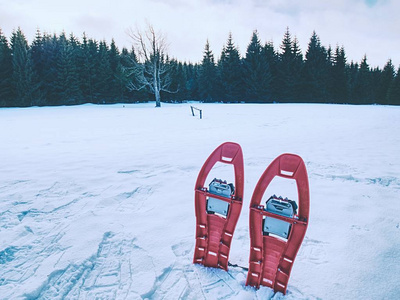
370, 27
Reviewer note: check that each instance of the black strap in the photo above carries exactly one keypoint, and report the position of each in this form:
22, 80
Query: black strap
237, 266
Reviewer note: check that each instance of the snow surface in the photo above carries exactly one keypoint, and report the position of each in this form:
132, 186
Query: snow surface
97, 202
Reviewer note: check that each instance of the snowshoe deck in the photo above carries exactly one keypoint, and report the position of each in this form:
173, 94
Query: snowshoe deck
214, 231
271, 257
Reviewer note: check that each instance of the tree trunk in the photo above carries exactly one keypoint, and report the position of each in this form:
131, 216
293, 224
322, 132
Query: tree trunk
157, 94
156, 84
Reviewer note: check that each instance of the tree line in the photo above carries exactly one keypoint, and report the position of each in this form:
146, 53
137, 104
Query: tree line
64, 70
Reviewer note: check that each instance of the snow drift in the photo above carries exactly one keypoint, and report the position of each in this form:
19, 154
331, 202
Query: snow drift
98, 201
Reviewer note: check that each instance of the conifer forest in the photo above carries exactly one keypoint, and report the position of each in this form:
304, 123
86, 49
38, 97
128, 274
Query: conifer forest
66, 70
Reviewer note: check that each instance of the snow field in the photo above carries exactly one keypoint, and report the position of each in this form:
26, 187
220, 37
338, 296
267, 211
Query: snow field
98, 201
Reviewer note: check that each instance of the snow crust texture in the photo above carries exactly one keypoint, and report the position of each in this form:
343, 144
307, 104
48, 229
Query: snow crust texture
97, 202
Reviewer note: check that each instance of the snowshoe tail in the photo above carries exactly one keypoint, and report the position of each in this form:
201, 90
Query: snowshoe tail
218, 208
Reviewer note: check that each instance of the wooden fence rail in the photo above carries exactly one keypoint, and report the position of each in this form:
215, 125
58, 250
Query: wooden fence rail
195, 108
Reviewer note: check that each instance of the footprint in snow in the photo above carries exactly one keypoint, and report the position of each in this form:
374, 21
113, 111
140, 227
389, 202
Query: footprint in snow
113, 272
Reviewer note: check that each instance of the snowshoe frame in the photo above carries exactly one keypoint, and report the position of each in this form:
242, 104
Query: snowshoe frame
271, 259
214, 233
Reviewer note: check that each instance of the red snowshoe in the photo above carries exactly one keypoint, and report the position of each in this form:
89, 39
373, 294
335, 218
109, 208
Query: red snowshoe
218, 208
277, 230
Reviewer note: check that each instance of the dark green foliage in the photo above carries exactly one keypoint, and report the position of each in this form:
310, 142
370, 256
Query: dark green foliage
284, 75
297, 69
289, 66
272, 60
207, 76
192, 81
38, 59
89, 69
23, 73
339, 80
385, 83
104, 75
128, 60
116, 84
352, 70
363, 93
393, 96
183, 82
256, 73
177, 84
230, 73
67, 82
61, 70
316, 72
184, 78
49, 65
6, 68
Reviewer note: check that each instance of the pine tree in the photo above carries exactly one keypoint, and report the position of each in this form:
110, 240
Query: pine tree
6, 68
74, 48
177, 82
115, 66
339, 77
375, 76
393, 96
87, 72
63, 71
316, 71
385, 82
352, 70
297, 69
191, 73
290, 65
103, 74
127, 61
38, 58
256, 72
230, 73
207, 75
22, 75
194, 89
49, 72
271, 58
67, 73
182, 79
363, 93
284, 67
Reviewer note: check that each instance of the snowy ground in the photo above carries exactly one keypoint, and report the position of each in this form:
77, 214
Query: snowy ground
98, 201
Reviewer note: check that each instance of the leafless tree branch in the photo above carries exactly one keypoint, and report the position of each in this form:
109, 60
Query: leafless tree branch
151, 70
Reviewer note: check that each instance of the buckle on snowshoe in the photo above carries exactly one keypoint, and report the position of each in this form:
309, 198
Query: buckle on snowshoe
220, 188
282, 207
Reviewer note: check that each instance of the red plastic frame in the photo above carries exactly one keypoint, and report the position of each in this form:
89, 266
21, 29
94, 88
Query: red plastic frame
271, 259
214, 233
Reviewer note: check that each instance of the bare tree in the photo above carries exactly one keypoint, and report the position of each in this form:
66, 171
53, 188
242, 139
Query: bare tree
151, 70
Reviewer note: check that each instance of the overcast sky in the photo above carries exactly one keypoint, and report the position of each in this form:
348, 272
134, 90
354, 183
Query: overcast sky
370, 27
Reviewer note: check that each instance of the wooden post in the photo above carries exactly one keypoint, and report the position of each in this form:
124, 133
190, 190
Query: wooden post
200, 111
